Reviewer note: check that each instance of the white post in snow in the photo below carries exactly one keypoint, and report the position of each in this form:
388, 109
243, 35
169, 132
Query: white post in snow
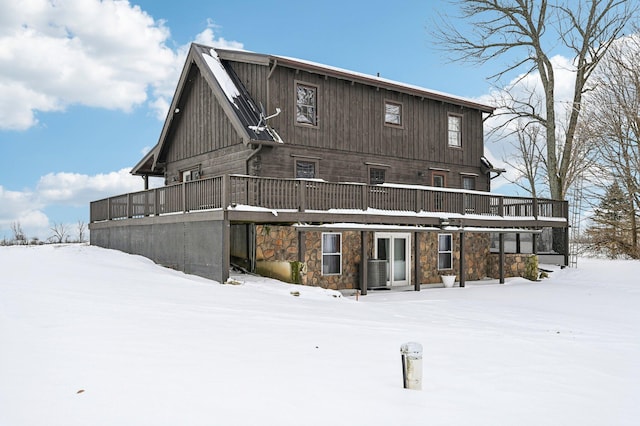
412, 365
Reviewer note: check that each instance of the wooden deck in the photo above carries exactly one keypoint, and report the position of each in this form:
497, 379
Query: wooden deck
295, 199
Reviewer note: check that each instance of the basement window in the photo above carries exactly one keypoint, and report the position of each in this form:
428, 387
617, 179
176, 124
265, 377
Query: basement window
331, 253
445, 251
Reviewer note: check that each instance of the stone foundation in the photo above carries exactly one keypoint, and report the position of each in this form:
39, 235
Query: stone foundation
514, 264
280, 243
476, 254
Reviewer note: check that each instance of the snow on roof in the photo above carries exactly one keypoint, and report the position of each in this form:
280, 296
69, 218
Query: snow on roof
366, 77
228, 86
382, 80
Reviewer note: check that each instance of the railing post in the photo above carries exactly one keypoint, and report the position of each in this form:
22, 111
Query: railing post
365, 197
535, 208
109, 208
226, 191
156, 203
184, 197
419, 200
129, 206
460, 200
302, 195
501, 206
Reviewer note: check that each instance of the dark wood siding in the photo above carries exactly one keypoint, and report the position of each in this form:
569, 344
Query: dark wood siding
254, 78
351, 131
344, 166
201, 126
228, 160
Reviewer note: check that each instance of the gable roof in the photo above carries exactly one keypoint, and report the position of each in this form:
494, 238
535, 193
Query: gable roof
233, 97
245, 115
343, 74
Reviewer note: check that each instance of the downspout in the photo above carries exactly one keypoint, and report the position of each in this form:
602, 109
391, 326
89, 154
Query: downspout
253, 154
273, 68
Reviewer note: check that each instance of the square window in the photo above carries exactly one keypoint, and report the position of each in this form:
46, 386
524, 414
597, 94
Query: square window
393, 113
455, 131
445, 251
376, 176
438, 180
331, 253
469, 183
306, 104
305, 169
438, 197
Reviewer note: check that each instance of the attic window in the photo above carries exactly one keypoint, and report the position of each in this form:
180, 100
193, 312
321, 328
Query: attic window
392, 113
306, 104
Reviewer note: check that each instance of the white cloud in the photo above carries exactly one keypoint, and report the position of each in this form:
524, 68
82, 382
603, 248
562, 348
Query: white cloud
77, 189
60, 189
164, 89
106, 54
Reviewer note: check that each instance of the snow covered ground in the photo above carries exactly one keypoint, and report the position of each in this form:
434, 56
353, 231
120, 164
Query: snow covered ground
97, 337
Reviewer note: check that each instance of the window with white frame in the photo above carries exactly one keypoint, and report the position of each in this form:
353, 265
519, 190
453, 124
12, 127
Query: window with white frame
455, 131
331, 253
393, 113
445, 251
306, 104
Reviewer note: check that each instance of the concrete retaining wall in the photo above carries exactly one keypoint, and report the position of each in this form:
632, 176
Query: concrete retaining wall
192, 247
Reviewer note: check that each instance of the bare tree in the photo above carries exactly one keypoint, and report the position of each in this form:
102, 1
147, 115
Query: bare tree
528, 160
18, 234
614, 122
530, 31
82, 229
60, 232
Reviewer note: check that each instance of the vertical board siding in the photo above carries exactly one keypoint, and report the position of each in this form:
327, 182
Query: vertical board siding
351, 122
350, 132
201, 125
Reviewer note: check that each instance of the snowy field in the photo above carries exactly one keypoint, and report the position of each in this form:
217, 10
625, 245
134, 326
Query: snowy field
97, 337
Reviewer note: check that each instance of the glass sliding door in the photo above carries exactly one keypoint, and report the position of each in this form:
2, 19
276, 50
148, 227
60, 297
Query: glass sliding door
395, 249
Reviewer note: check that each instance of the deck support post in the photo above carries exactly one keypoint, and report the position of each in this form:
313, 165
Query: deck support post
501, 257
226, 247
462, 260
416, 261
363, 262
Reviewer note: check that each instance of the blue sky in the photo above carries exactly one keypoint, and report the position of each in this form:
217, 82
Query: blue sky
84, 84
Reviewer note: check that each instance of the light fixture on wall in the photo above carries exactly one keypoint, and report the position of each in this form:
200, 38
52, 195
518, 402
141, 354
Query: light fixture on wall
444, 221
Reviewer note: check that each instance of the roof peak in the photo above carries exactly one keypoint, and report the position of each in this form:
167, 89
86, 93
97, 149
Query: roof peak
241, 55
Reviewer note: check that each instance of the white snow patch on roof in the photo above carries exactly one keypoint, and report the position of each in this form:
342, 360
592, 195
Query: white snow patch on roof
384, 80
228, 86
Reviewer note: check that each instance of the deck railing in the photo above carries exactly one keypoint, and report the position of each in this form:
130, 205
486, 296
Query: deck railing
311, 195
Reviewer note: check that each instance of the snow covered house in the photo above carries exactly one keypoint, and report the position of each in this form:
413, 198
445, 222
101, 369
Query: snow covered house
342, 179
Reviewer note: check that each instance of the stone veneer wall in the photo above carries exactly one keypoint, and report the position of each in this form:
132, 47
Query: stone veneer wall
276, 243
476, 256
280, 243
514, 264
351, 258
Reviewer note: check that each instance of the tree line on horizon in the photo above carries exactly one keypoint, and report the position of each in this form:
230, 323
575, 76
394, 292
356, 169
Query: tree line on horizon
60, 233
